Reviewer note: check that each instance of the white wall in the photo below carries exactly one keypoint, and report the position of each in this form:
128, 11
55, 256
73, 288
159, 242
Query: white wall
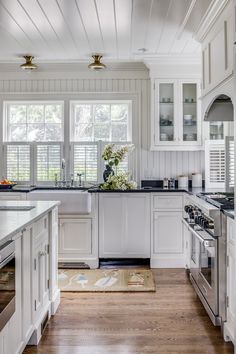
54, 83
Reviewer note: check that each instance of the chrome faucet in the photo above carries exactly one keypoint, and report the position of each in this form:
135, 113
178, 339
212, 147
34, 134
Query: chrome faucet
80, 179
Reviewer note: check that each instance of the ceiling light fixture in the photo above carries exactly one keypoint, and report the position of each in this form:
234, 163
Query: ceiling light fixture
97, 65
28, 65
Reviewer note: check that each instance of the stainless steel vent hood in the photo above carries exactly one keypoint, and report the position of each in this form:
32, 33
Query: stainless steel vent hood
221, 110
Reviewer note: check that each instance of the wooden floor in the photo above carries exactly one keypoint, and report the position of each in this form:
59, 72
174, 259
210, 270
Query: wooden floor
171, 320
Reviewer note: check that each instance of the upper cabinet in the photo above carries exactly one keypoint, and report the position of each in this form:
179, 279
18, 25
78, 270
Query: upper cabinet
217, 49
176, 119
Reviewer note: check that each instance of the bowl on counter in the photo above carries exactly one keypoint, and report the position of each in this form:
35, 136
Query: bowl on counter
7, 186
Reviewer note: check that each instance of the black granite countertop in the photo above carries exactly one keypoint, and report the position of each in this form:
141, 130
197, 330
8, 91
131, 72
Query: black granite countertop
229, 213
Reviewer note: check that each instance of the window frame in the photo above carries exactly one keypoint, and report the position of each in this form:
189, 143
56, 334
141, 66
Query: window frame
8, 103
66, 97
92, 102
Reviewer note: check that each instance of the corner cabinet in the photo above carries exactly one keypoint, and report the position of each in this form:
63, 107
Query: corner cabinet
175, 116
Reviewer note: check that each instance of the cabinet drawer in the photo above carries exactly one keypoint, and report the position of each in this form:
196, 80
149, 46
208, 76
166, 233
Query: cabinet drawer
169, 202
41, 226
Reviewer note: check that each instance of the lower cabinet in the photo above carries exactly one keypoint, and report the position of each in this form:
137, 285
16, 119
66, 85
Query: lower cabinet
230, 324
33, 254
40, 275
167, 249
124, 225
75, 236
77, 241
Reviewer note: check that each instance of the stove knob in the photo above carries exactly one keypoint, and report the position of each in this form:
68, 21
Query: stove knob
210, 225
205, 224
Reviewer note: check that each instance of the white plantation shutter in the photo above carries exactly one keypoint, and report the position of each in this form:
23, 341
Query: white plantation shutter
48, 162
85, 159
229, 149
17, 162
215, 163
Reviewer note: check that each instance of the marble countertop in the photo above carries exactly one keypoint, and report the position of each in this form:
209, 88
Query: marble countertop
13, 221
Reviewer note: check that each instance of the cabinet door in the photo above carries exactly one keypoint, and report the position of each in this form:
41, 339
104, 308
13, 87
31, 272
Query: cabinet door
167, 233
111, 226
165, 112
75, 237
40, 274
137, 226
190, 120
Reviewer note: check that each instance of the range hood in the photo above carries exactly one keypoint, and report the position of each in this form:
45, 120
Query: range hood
221, 110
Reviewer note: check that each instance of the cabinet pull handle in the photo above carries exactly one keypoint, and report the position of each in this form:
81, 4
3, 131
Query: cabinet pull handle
42, 253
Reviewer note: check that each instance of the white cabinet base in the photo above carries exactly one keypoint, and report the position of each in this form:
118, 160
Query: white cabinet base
55, 301
37, 331
167, 261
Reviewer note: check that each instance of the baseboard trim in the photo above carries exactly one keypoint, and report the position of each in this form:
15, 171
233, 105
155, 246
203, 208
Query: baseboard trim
167, 262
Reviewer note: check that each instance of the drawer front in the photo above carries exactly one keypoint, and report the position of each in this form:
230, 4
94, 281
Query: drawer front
164, 202
41, 226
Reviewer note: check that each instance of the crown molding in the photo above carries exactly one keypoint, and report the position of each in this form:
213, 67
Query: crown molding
213, 12
173, 59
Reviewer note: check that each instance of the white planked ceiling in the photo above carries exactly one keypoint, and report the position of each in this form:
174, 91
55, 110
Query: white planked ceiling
71, 30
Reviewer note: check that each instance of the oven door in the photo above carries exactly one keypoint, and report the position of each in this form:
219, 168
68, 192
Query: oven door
204, 266
207, 280
7, 282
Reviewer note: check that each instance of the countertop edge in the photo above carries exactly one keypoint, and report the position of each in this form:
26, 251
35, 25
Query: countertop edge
9, 235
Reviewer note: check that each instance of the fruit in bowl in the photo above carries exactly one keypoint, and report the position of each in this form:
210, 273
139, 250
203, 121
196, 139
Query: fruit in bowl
6, 184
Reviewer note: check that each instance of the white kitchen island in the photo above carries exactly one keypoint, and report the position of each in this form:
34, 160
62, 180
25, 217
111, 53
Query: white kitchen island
35, 234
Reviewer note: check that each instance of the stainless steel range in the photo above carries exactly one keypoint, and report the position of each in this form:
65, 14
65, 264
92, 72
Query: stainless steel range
207, 225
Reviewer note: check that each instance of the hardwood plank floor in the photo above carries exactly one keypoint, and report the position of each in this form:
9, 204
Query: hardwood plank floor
171, 320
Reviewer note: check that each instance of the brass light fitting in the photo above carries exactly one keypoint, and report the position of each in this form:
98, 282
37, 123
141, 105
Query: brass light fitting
97, 65
28, 65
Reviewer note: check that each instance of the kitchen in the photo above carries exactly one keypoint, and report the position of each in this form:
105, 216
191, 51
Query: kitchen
163, 87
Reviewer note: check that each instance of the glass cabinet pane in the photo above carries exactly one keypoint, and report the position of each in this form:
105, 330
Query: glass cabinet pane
189, 112
166, 112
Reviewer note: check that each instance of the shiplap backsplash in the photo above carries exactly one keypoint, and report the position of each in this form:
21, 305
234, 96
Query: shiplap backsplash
156, 164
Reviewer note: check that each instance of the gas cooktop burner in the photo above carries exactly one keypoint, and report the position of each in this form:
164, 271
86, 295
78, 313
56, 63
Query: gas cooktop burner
220, 200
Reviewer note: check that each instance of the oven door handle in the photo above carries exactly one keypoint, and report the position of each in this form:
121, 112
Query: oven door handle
186, 223
7, 260
206, 243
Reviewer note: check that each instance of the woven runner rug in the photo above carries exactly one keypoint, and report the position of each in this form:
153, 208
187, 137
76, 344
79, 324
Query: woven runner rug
96, 280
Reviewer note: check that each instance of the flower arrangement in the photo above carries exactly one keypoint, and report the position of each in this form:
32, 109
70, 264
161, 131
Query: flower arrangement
120, 181
113, 156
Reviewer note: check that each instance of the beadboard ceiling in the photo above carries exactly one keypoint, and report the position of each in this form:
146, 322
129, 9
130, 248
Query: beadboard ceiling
71, 30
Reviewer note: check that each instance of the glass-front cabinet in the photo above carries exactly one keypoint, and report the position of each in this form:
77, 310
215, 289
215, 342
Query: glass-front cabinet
176, 120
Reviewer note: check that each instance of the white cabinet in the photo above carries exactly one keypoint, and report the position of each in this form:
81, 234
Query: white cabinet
40, 275
34, 288
167, 247
217, 51
230, 325
124, 225
75, 237
176, 118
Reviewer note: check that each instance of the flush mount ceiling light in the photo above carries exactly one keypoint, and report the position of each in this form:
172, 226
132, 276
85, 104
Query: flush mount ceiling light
28, 65
97, 65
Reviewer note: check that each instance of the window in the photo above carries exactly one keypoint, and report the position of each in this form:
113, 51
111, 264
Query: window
39, 125
94, 124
